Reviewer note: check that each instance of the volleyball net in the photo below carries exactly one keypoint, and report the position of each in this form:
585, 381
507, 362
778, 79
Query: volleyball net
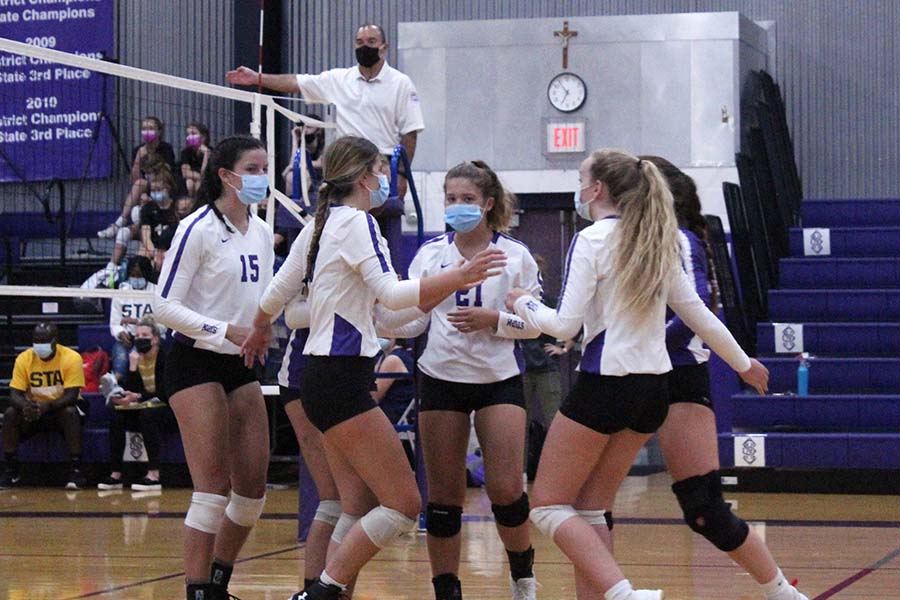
71, 134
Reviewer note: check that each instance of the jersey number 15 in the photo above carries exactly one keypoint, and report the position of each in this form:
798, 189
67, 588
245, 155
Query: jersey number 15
249, 263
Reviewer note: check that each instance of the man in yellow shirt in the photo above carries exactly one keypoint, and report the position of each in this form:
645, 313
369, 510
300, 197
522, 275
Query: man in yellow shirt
45, 386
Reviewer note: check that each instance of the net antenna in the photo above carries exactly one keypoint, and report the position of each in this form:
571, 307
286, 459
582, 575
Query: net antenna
254, 99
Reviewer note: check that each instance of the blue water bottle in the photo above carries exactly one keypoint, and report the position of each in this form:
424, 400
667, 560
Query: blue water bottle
803, 375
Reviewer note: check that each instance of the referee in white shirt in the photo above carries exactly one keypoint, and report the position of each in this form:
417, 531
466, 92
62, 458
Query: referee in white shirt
374, 100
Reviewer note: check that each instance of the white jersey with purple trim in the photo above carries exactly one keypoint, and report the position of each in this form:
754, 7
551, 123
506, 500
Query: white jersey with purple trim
484, 356
212, 277
616, 343
352, 270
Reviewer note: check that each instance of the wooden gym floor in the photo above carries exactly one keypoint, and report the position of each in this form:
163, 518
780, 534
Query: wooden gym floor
66, 545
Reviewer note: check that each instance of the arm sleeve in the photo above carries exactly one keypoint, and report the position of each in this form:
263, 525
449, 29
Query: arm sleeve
115, 318
72, 370
409, 111
389, 320
677, 333
412, 329
511, 325
578, 288
317, 88
683, 299
288, 281
370, 258
19, 379
175, 279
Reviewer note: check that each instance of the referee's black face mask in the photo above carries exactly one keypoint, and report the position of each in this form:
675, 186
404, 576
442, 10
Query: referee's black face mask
367, 56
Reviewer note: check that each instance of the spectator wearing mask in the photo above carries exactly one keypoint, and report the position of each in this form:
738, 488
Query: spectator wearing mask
152, 146
43, 394
144, 387
194, 156
158, 219
125, 313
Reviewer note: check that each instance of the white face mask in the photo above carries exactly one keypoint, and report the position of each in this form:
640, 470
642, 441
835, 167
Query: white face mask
43, 350
583, 209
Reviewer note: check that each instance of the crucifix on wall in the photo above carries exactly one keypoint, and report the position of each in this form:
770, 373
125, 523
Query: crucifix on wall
566, 34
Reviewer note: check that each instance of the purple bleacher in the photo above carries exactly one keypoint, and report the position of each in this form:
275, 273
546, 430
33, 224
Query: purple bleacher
95, 335
843, 339
832, 412
855, 241
831, 273
837, 375
850, 212
824, 450
798, 306
34, 225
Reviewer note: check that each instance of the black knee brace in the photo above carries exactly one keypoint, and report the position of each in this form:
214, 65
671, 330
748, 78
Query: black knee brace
609, 519
442, 520
512, 515
707, 513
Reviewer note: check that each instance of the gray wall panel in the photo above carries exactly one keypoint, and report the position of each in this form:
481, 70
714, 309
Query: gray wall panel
835, 62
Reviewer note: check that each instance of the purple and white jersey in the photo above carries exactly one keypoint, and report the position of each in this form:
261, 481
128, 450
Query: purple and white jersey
616, 342
482, 356
685, 347
212, 277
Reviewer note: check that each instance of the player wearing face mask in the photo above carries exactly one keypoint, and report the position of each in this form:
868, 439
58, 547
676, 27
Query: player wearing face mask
470, 365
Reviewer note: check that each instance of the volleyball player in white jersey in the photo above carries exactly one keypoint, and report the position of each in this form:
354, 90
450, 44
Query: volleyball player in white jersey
688, 438
347, 268
470, 365
220, 263
621, 273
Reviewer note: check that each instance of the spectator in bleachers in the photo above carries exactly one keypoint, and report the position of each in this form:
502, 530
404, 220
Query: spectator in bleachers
158, 219
183, 207
152, 146
194, 156
143, 386
44, 394
315, 145
393, 395
162, 186
125, 313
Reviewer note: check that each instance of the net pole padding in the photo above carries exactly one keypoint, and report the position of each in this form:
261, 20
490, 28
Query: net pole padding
34, 291
397, 157
270, 150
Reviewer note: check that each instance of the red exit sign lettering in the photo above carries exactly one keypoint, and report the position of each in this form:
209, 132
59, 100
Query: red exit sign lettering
565, 137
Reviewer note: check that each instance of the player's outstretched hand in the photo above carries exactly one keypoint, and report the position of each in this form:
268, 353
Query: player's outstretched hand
487, 263
256, 344
757, 376
514, 295
473, 318
242, 76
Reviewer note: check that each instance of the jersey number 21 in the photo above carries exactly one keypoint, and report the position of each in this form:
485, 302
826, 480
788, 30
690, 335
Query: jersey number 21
462, 296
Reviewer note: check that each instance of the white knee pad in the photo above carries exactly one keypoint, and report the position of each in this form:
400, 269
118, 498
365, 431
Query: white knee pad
548, 518
205, 512
593, 517
329, 511
244, 511
383, 525
123, 236
344, 523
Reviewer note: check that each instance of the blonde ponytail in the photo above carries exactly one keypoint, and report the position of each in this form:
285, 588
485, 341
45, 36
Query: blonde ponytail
646, 248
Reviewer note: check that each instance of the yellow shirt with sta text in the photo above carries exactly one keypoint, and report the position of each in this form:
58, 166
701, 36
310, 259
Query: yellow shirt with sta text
45, 381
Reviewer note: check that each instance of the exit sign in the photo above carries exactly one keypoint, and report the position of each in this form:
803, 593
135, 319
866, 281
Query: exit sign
565, 137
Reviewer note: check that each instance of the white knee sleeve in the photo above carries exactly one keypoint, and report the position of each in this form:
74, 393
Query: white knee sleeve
123, 236
205, 512
383, 525
344, 523
593, 517
548, 518
329, 511
244, 511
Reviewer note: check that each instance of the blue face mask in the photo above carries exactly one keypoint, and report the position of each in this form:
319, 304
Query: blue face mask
378, 197
158, 196
384, 344
137, 283
43, 350
583, 209
253, 188
463, 217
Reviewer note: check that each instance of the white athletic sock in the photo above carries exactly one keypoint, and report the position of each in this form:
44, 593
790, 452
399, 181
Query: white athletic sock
326, 579
776, 586
620, 591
